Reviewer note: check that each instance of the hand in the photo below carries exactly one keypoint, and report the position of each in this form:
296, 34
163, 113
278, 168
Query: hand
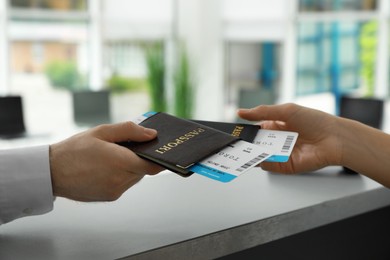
318, 144
91, 167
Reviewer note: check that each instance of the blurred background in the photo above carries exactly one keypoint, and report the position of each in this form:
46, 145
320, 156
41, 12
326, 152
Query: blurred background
84, 62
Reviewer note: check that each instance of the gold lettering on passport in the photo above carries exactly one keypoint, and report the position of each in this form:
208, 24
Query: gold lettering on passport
237, 131
178, 141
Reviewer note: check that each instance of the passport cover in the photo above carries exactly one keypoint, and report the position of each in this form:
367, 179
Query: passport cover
180, 143
246, 132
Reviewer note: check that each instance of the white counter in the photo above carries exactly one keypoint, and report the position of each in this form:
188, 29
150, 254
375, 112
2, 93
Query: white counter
171, 217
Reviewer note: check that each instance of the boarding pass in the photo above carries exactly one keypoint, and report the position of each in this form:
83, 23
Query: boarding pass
282, 142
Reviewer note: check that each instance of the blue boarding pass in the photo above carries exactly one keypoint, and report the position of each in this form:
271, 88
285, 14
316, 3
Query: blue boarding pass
282, 142
143, 117
232, 161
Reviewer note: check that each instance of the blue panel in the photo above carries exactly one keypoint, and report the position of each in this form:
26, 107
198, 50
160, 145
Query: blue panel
268, 73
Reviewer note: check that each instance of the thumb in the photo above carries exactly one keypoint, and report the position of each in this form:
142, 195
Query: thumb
126, 131
268, 112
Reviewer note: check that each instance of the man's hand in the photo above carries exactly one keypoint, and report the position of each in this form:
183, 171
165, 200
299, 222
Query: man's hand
90, 167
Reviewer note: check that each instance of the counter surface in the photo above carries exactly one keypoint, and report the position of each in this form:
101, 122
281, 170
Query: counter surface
168, 216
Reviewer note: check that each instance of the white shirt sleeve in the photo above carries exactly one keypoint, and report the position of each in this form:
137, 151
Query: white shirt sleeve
25, 183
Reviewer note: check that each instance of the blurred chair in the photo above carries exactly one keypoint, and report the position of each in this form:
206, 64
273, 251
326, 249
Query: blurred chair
91, 108
368, 111
11, 117
248, 98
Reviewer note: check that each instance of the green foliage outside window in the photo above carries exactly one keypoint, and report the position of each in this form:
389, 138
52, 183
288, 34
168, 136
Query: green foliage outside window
156, 77
121, 84
368, 44
64, 75
183, 86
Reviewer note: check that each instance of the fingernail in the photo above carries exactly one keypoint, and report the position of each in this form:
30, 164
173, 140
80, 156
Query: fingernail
150, 131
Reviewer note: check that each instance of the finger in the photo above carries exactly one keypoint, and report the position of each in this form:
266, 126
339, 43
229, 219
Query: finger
148, 168
268, 112
137, 165
125, 131
155, 169
274, 125
145, 167
119, 186
275, 167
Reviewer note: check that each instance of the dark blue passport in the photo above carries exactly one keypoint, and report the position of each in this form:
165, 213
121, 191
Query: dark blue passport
180, 143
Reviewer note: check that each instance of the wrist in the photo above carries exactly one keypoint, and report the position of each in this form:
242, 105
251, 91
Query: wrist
53, 168
354, 146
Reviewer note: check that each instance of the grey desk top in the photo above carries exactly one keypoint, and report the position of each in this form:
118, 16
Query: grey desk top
170, 217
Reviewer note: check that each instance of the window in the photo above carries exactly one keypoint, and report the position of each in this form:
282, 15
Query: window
335, 56
336, 5
47, 39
